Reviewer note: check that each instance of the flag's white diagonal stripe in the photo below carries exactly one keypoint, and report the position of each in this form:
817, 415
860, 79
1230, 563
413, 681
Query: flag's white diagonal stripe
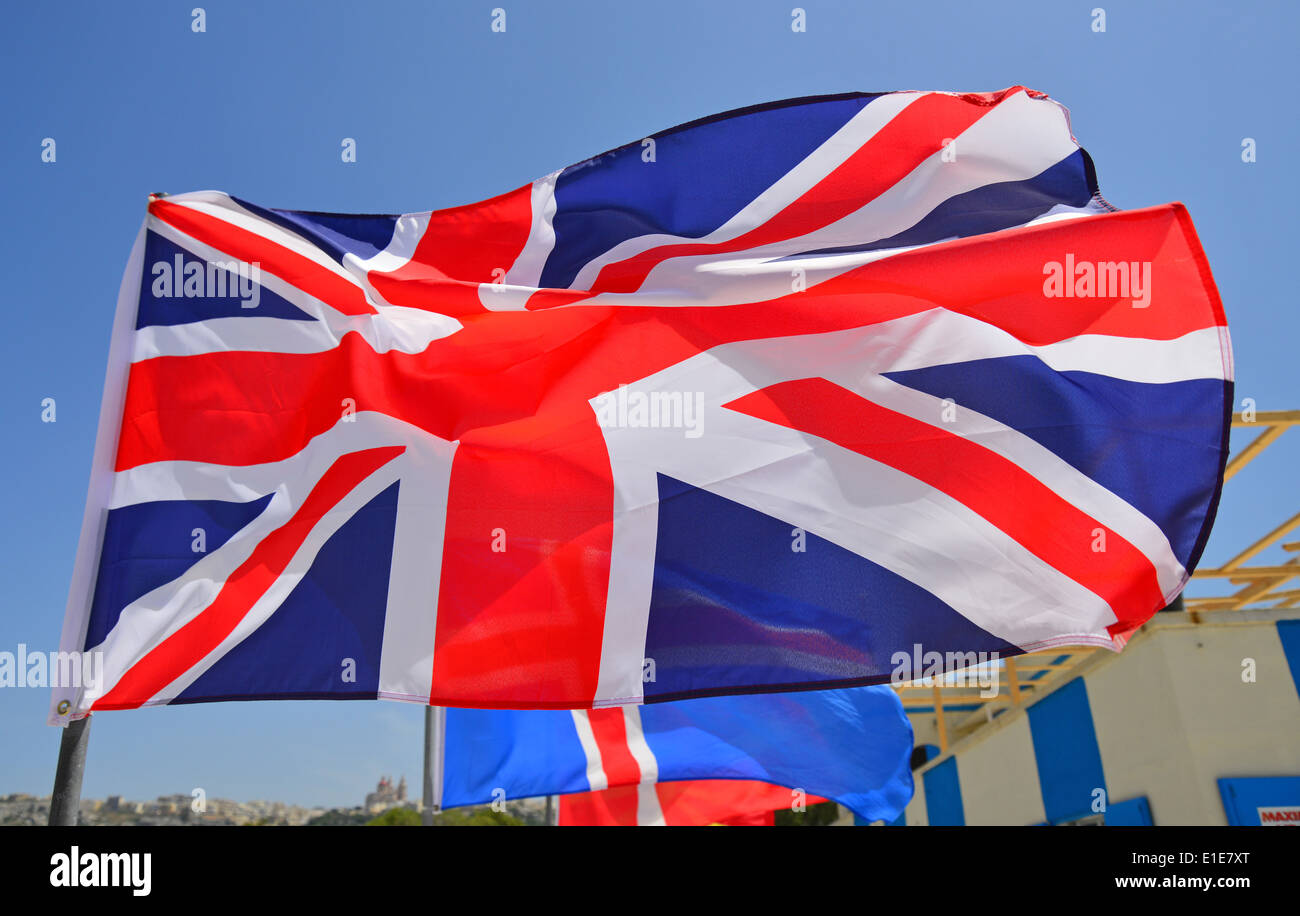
298, 298
854, 359
938, 337
240, 483
764, 272
151, 619
223, 207
287, 581
820, 163
862, 505
154, 617
405, 330
1046, 466
1005, 588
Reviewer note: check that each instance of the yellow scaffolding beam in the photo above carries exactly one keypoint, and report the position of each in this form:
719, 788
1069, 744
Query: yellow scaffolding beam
1273, 424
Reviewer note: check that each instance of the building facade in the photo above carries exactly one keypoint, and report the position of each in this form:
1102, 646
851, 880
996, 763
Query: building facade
1196, 722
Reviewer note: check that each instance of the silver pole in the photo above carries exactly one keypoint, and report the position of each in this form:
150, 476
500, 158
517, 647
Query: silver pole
65, 801
426, 804
434, 726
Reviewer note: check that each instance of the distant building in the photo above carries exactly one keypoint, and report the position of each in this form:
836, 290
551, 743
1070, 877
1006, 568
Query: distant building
386, 795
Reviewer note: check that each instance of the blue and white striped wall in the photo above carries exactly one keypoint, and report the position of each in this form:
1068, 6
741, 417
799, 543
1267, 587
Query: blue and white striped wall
1167, 732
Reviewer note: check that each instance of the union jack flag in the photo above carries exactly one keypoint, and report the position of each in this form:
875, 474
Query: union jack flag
756, 403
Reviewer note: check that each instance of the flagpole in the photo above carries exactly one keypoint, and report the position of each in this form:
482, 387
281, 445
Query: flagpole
65, 800
434, 724
426, 799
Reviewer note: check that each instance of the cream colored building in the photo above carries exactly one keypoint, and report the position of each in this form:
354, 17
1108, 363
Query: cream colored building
1196, 722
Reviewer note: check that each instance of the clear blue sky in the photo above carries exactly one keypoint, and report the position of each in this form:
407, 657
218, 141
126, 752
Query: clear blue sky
445, 112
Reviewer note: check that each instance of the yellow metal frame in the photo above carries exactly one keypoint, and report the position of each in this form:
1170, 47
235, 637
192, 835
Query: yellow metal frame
1025, 676
1259, 583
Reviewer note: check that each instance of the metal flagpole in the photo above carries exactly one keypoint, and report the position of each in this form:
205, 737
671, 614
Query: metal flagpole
426, 801
65, 800
435, 723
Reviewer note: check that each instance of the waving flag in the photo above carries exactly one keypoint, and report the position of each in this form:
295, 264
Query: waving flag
762, 402
696, 803
852, 746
